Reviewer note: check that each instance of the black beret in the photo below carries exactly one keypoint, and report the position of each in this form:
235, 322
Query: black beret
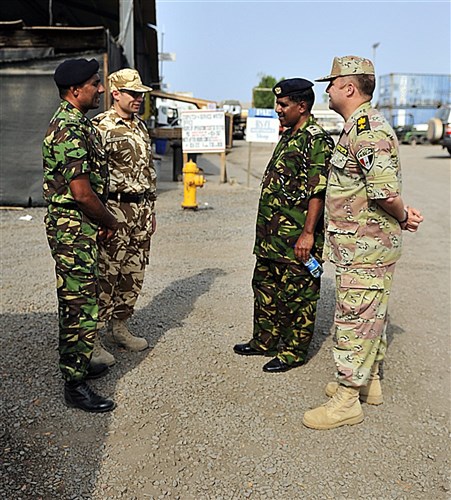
75, 71
291, 86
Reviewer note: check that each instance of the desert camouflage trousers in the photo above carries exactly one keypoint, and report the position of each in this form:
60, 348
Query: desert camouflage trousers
360, 314
72, 241
285, 298
123, 259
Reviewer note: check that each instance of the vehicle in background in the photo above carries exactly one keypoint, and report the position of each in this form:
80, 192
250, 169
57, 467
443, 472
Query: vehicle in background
239, 117
439, 128
412, 134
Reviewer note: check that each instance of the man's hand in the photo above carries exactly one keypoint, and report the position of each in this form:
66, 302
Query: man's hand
414, 218
304, 246
105, 233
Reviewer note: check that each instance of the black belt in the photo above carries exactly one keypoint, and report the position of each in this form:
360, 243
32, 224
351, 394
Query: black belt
127, 197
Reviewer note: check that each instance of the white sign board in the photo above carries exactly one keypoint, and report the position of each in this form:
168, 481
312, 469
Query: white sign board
203, 131
261, 129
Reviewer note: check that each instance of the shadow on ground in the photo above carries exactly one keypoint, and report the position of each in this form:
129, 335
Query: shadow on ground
37, 460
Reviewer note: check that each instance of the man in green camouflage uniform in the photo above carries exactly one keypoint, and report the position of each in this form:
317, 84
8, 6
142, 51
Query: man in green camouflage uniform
131, 199
289, 228
75, 186
364, 217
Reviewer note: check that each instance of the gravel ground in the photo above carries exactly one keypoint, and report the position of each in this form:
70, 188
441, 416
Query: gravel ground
194, 420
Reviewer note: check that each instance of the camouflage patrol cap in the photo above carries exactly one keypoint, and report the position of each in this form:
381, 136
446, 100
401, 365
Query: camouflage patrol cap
75, 71
348, 66
127, 79
291, 86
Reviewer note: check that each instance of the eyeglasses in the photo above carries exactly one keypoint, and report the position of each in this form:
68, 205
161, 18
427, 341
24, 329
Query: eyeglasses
132, 93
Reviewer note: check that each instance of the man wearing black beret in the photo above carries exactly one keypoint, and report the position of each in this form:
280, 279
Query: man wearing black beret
289, 231
75, 188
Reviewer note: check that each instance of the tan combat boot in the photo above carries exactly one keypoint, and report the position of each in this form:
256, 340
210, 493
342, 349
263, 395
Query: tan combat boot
118, 333
343, 409
370, 393
100, 355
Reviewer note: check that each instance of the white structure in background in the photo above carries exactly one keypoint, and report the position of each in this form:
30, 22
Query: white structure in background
169, 111
328, 119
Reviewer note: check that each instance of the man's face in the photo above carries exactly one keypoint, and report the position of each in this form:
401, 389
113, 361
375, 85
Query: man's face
337, 93
89, 93
289, 112
128, 101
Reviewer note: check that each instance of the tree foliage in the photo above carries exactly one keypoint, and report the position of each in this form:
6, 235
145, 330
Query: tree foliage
262, 95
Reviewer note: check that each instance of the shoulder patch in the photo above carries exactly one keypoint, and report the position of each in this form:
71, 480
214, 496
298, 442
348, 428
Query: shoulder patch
314, 130
363, 123
365, 157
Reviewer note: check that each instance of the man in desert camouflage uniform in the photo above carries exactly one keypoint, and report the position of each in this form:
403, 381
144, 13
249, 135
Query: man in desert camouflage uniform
131, 199
289, 229
75, 188
364, 217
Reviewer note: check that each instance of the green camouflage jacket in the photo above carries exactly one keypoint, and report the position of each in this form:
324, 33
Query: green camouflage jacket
71, 148
297, 170
127, 144
364, 168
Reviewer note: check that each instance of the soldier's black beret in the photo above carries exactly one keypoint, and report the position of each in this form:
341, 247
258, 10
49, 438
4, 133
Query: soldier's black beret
75, 71
291, 86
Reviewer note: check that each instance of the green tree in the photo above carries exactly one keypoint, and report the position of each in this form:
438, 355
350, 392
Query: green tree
262, 95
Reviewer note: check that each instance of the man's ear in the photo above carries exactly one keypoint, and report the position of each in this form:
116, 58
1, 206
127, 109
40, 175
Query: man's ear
302, 107
115, 94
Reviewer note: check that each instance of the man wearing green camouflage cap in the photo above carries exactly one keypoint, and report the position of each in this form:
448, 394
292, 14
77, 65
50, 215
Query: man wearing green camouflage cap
364, 217
75, 188
132, 195
289, 228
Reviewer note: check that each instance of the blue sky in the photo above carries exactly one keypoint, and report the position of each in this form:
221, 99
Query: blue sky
222, 47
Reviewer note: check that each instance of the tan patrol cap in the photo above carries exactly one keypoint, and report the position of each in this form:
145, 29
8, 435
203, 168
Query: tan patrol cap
347, 66
127, 79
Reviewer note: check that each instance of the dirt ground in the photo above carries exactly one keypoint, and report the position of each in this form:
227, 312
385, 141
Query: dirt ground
194, 420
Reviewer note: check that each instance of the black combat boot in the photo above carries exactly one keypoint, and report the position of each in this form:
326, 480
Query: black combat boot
80, 395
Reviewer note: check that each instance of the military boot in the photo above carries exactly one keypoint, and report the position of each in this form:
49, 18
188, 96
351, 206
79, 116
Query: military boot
80, 395
101, 356
370, 393
342, 409
118, 333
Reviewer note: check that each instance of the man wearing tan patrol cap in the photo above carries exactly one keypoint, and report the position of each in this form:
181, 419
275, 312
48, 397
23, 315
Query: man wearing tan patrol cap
364, 217
132, 194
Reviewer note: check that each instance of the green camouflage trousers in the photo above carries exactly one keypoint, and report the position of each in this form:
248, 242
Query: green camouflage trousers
123, 259
285, 298
72, 241
360, 315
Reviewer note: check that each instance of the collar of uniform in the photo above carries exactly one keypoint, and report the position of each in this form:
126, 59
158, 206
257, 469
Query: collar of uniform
310, 120
71, 109
118, 119
361, 110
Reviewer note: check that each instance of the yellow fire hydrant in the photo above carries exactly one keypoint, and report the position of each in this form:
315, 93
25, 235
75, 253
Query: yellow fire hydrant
191, 180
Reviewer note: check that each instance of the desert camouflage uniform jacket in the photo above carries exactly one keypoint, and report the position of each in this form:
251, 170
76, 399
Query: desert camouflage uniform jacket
127, 144
364, 168
72, 147
297, 170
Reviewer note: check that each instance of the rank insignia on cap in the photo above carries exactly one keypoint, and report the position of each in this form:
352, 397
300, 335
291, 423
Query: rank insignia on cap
277, 90
366, 157
363, 124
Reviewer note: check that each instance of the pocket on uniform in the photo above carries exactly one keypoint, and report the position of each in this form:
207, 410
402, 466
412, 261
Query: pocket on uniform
342, 240
359, 294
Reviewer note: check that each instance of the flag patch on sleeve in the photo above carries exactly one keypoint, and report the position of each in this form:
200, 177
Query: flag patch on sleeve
366, 157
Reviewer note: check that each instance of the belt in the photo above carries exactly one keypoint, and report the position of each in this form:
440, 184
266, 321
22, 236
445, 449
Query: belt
127, 197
